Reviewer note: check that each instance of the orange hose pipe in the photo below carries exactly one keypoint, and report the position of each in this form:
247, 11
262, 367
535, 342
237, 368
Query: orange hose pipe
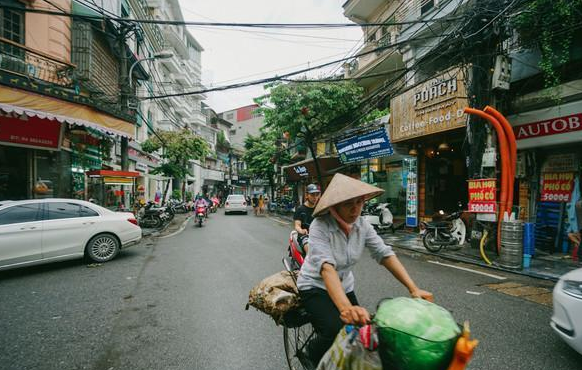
504, 153
512, 150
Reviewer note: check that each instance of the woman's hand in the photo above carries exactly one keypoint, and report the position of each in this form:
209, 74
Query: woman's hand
423, 294
356, 315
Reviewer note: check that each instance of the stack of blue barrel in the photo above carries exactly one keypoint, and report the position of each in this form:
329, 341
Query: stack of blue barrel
529, 243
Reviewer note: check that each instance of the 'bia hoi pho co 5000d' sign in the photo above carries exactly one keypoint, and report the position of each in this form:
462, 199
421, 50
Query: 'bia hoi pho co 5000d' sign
433, 106
373, 144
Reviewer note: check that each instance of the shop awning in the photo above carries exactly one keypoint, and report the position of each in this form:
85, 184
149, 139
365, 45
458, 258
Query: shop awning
35, 105
306, 168
112, 173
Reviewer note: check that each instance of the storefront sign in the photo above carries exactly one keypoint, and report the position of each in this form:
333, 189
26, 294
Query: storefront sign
557, 187
301, 171
117, 180
559, 125
373, 144
411, 193
433, 106
560, 163
524, 200
482, 196
141, 167
31, 132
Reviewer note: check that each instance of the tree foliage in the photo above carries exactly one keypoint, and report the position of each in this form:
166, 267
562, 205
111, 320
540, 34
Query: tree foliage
549, 25
262, 153
178, 148
310, 109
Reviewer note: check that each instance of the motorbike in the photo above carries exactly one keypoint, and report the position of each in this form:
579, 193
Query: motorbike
295, 255
379, 216
150, 216
178, 206
200, 215
449, 233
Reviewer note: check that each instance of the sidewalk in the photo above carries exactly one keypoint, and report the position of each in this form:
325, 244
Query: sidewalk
543, 266
549, 267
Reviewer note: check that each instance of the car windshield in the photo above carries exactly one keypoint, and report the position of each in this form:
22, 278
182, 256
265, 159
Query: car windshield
236, 197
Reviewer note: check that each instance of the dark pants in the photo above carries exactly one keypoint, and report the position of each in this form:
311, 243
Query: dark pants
325, 319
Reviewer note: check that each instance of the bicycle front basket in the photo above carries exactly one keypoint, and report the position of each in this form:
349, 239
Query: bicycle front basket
415, 334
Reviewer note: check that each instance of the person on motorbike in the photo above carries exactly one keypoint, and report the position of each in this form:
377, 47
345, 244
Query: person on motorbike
337, 238
215, 201
201, 202
304, 216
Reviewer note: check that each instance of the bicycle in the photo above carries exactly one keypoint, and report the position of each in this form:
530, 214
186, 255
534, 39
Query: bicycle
297, 328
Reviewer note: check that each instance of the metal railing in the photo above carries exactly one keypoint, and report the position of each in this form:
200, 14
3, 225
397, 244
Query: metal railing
34, 65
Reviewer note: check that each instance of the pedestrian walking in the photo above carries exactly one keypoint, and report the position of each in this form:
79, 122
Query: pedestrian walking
261, 204
255, 202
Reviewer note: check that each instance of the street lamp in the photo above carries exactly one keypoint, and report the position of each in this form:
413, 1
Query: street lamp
158, 55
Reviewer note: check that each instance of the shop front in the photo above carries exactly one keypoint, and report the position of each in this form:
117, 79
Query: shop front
301, 174
115, 190
31, 162
144, 163
427, 122
549, 143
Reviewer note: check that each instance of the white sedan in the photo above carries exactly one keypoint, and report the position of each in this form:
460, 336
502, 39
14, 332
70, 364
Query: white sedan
567, 317
46, 230
235, 203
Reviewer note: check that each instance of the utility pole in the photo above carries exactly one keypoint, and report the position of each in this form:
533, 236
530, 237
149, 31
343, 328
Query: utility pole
230, 171
124, 85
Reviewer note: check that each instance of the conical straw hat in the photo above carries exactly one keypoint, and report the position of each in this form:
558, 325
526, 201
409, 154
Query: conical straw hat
342, 188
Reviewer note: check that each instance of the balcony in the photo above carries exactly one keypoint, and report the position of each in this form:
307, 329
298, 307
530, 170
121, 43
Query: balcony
360, 11
212, 175
176, 39
34, 65
172, 64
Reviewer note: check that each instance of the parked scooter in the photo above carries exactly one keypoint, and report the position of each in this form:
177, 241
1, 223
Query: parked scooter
379, 216
150, 216
200, 215
178, 206
449, 233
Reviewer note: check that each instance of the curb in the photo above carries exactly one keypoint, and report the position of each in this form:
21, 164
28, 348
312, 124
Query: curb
182, 227
480, 264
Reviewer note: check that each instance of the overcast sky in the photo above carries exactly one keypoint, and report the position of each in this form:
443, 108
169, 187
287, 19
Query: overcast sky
232, 56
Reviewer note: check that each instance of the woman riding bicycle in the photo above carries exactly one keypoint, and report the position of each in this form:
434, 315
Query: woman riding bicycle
337, 238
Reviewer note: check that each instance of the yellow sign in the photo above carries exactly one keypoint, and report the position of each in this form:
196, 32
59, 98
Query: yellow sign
118, 180
433, 106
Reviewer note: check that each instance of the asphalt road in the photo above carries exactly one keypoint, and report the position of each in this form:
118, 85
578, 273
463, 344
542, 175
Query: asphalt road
178, 303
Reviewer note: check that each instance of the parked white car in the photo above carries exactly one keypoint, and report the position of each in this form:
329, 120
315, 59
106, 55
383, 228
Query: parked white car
235, 203
46, 230
567, 317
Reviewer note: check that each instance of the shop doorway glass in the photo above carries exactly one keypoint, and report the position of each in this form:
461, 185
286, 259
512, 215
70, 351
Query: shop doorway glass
14, 173
446, 182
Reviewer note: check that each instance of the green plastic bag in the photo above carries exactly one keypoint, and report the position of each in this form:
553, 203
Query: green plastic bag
415, 334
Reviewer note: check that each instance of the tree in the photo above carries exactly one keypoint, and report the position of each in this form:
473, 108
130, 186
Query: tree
263, 153
309, 110
178, 148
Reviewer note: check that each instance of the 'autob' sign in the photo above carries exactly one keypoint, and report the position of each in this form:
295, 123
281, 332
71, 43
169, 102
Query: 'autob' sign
373, 144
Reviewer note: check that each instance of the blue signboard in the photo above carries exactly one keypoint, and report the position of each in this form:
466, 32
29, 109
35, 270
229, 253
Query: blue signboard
373, 144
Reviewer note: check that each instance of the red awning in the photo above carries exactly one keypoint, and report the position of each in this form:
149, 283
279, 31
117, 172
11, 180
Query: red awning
112, 173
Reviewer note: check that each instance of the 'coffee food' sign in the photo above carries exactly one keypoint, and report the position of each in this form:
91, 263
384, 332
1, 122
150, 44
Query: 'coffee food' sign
433, 106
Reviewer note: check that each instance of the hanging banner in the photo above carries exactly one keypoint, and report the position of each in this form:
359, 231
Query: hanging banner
482, 196
557, 187
411, 193
373, 144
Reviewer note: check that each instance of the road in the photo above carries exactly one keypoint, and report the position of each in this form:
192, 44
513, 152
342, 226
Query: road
178, 303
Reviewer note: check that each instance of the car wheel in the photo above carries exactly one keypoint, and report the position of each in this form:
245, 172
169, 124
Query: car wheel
226, 212
102, 248
246, 212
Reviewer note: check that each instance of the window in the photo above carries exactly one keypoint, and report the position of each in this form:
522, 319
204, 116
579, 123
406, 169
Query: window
88, 212
12, 28
60, 210
426, 6
20, 214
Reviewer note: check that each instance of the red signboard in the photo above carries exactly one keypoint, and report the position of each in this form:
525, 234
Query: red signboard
557, 186
552, 126
245, 113
482, 196
29, 131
